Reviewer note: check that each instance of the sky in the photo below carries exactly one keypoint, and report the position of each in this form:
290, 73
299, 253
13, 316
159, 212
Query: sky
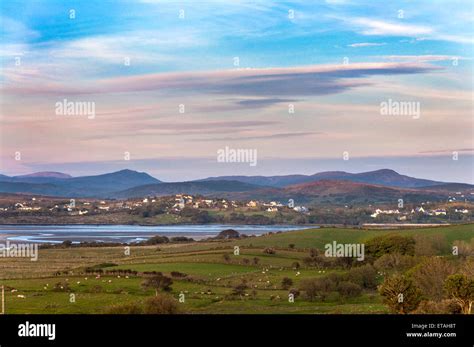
303, 84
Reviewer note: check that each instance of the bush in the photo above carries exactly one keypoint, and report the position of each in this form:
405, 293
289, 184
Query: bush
460, 288
400, 294
465, 249
269, 250
429, 245
295, 265
365, 276
158, 282
393, 243
317, 288
156, 240
438, 307
61, 287
239, 289
394, 263
286, 282
228, 234
130, 308
430, 275
181, 239
96, 289
295, 292
349, 289
161, 304
178, 274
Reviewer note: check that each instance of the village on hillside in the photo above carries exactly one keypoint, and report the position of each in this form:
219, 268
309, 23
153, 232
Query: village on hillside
185, 208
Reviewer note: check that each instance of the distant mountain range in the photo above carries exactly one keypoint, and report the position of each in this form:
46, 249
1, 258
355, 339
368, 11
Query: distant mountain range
58, 184
383, 177
330, 187
346, 192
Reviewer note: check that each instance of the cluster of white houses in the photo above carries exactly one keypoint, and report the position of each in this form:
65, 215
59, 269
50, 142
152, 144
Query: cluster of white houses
435, 212
182, 201
175, 204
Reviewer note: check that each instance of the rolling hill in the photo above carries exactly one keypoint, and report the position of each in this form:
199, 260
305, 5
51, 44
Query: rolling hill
86, 186
385, 177
339, 192
193, 188
325, 187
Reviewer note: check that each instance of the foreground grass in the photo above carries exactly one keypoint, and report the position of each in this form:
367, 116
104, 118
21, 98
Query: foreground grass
212, 271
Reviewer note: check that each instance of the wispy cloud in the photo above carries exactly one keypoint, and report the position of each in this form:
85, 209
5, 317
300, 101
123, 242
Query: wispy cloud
300, 81
258, 137
366, 44
370, 26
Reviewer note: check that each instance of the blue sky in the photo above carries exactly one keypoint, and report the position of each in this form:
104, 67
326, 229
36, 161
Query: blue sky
288, 52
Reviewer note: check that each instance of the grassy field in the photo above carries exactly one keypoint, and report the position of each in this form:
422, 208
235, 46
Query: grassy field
210, 280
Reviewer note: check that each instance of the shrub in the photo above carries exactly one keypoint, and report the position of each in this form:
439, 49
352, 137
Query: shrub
317, 261
286, 282
295, 292
96, 289
239, 289
161, 304
156, 240
269, 250
446, 306
317, 288
394, 262
178, 274
365, 276
336, 278
400, 294
158, 282
429, 245
61, 287
181, 239
430, 275
228, 234
348, 289
465, 248
391, 243
460, 288
130, 308
295, 265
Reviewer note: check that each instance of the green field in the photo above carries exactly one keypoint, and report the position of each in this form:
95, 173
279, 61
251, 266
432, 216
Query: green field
210, 277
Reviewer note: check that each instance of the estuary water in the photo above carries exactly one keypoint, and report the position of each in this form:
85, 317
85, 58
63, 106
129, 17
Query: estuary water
126, 233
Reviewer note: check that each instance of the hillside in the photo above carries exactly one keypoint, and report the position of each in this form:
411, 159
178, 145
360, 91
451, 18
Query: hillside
340, 192
86, 186
382, 177
193, 188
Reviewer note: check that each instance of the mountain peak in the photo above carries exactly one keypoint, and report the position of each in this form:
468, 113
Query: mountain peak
385, 172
